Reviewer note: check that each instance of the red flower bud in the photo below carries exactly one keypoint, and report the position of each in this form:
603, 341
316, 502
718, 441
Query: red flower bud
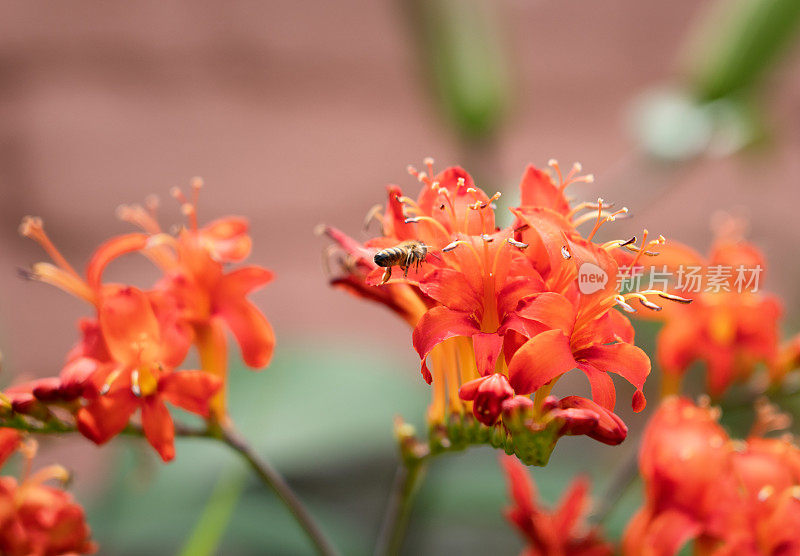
488, 394
582, 416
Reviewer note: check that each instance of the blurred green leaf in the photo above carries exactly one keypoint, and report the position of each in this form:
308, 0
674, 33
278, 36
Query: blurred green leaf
207, 534
459, 47
737, 43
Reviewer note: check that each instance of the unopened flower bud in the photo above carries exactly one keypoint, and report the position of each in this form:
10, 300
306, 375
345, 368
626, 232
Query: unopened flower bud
487, 394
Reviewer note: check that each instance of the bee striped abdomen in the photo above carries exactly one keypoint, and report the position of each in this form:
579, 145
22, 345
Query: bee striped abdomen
390, 257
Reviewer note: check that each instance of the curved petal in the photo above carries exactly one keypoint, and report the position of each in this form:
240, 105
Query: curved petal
514, 290
106, 416
677, 343
190, 390
243, 280
540, 360
437, 325
251, 329
129, 325
450, 288
109, 251
158, 427
603, 392
538, 190
572, 507
487, 348
227, 238
9, 440
669, 532
626, 360
551, 309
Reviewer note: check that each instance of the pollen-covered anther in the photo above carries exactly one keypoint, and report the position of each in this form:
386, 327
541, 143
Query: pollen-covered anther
622, 302
765, 493
516, 243
673, 297
412, 220
565, 253
450, 246
487, 238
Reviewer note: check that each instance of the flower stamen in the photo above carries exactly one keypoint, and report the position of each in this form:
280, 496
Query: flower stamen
32, 227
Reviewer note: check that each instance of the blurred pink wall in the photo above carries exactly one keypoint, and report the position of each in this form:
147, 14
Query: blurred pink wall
297, 113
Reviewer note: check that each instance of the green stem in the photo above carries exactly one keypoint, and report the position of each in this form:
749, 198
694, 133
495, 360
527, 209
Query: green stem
268, 474
270, 477
408, 479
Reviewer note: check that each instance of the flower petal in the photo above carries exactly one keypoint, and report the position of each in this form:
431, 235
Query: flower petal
106, 416
603, 392
158, 427
244, 280
626, 360
129, 325
451, 289
551, 309
251, 328
437, 325
540, 360
538, 190
486, 348
9, 440
109, 251
190, 390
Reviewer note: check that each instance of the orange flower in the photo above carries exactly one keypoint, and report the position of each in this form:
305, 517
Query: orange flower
558, 532
39, 519
732, 328
205, 296
499, 313
140, 375
729, 497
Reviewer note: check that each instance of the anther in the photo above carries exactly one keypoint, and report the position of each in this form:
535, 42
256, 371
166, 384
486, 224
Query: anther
516, 243
628, 242
673, 297
565, 253
649, 304
622, 303
412, 220
487, 238
450, 246
135, 387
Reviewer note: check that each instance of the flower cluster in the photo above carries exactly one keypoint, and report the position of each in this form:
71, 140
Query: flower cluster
728, 496
558, 532
500, 314
133, 345
732, 330
36, 518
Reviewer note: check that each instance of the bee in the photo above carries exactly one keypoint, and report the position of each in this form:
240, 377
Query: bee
405, 255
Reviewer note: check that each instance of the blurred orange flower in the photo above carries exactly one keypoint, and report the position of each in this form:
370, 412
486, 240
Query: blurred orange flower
730, 497
39, 519
557, 532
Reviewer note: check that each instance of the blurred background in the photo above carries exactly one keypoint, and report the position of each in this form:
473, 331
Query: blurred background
300, 113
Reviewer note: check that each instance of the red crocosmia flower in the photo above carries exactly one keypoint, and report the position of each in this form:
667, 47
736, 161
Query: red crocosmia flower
478, 298
40, 519
596, 347
356, 263
728, 497
557, 532
198, 291
140, 375
731, 325
482, 293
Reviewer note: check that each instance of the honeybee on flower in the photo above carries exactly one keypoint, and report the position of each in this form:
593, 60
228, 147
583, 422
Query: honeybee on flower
498, 313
